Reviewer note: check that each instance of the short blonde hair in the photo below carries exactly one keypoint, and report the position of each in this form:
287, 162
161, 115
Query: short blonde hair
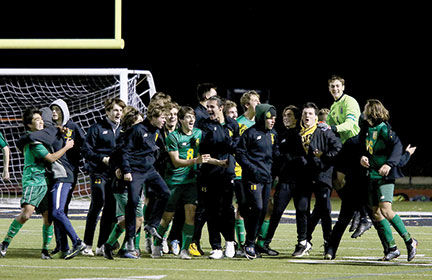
245, 99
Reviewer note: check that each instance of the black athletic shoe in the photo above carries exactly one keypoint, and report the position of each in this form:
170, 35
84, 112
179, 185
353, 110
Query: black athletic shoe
108, 251
391, 254
329, 253
250, 252
55, 251
266, 250
77, 248
412, 249
355, 221
3, 249
301, 250
152, 231
362, 228
45, 255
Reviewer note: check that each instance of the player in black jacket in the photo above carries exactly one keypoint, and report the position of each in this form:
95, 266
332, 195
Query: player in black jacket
255, 153
320, 147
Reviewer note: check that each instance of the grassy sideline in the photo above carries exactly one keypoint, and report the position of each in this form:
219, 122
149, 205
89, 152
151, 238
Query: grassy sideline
356, 258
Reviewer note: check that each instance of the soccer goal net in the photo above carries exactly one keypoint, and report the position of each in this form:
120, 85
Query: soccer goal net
84, 90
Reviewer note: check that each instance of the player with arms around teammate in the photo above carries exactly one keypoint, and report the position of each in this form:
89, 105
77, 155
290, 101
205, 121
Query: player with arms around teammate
36, 157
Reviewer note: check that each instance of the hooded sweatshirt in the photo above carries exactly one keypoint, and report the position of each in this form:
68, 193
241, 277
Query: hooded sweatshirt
75, 132
257, 148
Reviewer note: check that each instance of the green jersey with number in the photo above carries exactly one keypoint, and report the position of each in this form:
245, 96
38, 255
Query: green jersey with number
187, 147
376, 140
244, 123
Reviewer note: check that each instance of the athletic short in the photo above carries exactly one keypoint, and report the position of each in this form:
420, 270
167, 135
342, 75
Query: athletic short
36, 196
380, 191
121, 201
182, 193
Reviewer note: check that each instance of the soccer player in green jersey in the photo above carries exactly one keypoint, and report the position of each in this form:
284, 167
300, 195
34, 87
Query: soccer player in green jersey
34, 183
383, 155
182, 146
6, 157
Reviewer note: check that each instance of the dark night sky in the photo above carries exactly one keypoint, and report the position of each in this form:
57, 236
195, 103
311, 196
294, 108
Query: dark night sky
383, 51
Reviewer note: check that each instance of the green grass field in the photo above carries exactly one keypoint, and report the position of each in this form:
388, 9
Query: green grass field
356, 259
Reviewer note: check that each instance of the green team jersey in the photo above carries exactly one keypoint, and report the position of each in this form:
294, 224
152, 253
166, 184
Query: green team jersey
376, 140
244, 123
34, 166
3, 142
187, 147
344, 114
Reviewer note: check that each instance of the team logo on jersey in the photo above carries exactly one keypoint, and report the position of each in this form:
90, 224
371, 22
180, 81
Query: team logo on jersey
259, 137
283, 141
215, 128
68, 133
184, 143
197, 141
105, 132
230, 133
375, 135
145, 135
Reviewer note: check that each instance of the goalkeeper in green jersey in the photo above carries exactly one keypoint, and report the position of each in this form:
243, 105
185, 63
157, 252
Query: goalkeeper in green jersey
383, 152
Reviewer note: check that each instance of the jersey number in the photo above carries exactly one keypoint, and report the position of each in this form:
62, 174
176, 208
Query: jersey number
190, 154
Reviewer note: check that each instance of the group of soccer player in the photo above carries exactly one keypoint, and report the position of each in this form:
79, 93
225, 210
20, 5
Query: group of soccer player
178, 168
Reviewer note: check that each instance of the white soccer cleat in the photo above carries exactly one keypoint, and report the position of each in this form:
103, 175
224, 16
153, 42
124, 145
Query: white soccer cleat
184, 254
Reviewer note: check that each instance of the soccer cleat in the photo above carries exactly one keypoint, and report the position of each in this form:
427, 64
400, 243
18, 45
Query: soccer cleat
3, 249
156, 251
77, 248
216, 254
412, 249
355, 221
165, 248
250, 253
195, 250
88, 251
152, 231
125, 254
99, 251
302, 250
184, 255
45, 255
63, 254
108, 251
230, 249
391, 254
266, 250
362, 228
175, 247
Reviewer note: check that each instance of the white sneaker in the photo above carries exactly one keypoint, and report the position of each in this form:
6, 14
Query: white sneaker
216, 254
175, 247
229, 249
99, 251
165, 248
156, 251
148, 245
184, 255
88, 251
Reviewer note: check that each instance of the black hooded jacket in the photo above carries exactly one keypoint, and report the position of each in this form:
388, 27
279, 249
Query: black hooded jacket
257, 148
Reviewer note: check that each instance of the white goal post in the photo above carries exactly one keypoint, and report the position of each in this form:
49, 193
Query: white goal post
84, 90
